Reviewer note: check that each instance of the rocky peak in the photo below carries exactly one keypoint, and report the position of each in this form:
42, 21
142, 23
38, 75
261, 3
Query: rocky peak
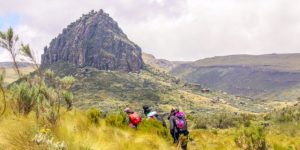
95, 40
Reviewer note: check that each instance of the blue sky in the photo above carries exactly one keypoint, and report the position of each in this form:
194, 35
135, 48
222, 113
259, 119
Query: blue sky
9, 20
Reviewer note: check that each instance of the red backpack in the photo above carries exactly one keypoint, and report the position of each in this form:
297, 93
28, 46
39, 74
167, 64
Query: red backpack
134, 118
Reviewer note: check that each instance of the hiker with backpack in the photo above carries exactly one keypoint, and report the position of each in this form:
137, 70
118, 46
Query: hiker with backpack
153, 115
134, 118
178, 127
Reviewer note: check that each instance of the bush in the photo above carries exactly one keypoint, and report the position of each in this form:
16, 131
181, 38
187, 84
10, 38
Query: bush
288, 114
94, 115
154, 126
222, 120
24, 97
118, 119
251, 138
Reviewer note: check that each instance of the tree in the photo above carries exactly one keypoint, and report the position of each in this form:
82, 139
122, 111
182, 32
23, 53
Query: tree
8, 41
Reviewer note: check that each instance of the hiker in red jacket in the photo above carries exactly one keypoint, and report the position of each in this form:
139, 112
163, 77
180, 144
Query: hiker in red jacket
134, 118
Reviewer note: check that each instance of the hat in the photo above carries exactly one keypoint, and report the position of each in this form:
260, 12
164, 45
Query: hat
127, 110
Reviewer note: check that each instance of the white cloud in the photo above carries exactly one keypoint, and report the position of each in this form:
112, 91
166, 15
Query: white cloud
173, 29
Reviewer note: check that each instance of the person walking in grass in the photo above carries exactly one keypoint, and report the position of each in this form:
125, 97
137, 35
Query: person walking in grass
153, 115
134, 118
179, 127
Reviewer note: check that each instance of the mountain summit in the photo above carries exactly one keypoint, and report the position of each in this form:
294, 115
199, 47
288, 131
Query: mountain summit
94, 40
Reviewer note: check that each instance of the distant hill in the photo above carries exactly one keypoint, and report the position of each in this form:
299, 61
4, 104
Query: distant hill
258, 76
161, 64
11, 65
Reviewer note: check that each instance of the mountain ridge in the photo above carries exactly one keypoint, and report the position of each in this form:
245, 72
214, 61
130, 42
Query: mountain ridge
94, 40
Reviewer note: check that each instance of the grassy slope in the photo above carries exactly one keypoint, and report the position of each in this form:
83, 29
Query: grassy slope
11, 75
112, 89
74, 130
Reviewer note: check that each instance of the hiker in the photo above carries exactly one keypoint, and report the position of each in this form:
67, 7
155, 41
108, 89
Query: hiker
171, 119
134, 118
153, 114
178, 127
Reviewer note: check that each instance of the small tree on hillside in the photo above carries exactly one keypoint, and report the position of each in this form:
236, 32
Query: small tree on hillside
35, 93
8, 41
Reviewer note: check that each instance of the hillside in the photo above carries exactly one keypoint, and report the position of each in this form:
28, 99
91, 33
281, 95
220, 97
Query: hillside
259, 76
161, 64
110, 90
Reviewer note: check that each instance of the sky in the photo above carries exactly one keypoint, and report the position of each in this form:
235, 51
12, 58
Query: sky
169, 29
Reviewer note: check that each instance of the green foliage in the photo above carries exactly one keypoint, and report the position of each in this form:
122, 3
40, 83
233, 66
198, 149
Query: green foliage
288, 114
117, 119
94, 115
222, 120
154, 126
24, 97
252, 137
26, 51
67, 82
68, 97
8, 41
49, 73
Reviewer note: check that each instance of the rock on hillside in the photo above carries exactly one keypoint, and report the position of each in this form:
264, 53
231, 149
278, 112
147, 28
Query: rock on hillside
94, 40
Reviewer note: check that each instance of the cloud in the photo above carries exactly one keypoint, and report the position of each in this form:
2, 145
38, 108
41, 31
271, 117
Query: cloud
172, 29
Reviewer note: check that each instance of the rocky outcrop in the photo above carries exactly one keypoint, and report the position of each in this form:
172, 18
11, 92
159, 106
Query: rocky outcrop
94, 40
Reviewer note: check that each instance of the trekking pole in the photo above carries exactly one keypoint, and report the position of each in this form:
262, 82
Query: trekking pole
179, 145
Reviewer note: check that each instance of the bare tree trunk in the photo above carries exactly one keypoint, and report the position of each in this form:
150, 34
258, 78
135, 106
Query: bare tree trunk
15, 62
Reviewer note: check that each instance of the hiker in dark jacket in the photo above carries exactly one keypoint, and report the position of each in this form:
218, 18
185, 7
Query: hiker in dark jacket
172, 120
178, 128
153, 114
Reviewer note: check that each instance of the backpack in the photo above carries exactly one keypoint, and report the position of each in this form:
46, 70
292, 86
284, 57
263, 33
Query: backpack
180, 121
135, 119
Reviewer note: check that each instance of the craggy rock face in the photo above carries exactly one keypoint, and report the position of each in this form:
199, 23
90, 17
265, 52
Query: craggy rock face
94, 40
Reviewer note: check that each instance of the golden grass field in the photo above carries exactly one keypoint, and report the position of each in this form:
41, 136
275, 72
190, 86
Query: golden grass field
11, 76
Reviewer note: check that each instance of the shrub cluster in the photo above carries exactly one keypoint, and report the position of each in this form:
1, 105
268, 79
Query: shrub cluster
288, 114
252, 137
222, 120
154, 126
94, 116
117, 119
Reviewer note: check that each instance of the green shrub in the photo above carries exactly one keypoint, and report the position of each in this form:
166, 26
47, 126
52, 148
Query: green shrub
154, 126
252, 137
222, 120
24, 97
94, 115
288, 114
118, 119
